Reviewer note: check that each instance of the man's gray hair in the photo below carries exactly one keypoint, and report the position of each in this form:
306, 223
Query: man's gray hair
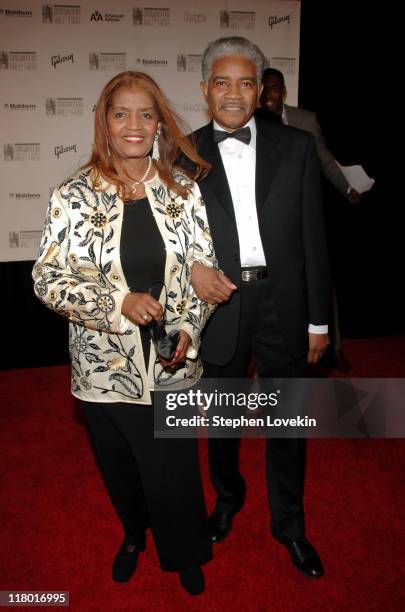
232, 45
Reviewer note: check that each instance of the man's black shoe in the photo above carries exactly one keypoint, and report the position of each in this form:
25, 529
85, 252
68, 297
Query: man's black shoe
125, 562
220, 524
192, 580
305, 558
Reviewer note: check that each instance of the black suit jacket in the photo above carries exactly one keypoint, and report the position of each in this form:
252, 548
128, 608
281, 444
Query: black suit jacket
289, 208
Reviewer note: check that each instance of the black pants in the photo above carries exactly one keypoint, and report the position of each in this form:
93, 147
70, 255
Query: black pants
259, 336
152, 483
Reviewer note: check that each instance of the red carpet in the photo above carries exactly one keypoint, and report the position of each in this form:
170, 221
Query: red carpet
59, 531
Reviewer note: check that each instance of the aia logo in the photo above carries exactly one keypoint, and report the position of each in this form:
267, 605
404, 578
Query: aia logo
96, 16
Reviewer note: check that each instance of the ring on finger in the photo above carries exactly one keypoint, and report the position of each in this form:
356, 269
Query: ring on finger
146, 317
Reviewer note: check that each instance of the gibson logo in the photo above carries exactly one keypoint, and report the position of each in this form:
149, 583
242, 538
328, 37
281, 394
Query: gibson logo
59, 59
274, 20
61, 149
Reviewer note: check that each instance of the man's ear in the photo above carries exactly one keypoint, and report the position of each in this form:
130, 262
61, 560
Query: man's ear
204, 89
259, 90
284, 92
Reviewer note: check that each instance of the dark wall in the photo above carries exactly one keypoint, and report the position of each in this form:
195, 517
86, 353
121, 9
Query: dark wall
339, 80
32, 335
343, 81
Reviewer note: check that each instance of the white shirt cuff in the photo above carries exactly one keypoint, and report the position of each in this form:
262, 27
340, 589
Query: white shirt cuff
317, 329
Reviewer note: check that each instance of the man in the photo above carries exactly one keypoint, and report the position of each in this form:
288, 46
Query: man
272, 102
264, 209
272, 99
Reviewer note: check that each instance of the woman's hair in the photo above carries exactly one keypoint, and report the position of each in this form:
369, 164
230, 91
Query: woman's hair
232, 45
173, 144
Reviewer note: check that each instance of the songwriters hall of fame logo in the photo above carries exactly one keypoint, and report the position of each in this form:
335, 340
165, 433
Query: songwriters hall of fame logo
26, 151
107, 61
24, 239
18, 60
151, 16
237, 20
188, 62
286, 65
61, 13
64, 106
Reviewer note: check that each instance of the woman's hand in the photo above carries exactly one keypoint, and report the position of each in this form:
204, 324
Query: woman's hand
141, 308
211, 285
181, 350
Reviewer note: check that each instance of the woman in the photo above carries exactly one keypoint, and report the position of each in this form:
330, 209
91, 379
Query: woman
122, 222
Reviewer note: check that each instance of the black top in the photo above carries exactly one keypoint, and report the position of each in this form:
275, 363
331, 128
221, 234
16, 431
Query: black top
143, 255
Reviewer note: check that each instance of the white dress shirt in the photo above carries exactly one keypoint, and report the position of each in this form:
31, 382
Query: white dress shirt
239, 162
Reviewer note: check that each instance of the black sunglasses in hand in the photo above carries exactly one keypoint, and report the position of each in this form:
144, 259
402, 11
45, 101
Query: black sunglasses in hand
165, 343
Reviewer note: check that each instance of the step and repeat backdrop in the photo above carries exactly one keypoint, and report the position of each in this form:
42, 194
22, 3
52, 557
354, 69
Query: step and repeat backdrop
56, 58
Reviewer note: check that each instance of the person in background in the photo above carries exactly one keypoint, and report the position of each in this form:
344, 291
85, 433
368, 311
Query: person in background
264, 208
272, 99
126, 219
273, 108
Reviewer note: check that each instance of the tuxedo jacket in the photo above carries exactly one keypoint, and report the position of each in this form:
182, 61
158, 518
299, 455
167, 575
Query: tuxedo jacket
289, 209
306, 120
79, 275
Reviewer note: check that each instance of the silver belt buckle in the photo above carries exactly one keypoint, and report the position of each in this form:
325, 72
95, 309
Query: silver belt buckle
249, 275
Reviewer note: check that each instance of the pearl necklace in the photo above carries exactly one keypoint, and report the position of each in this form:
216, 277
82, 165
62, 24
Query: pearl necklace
141, 180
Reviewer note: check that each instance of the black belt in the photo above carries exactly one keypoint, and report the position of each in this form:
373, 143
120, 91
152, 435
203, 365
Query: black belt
253, 274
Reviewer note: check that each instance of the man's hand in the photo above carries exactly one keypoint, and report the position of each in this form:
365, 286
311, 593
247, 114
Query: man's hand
181, 350
354, 196
210, 285
318, 343
141, 308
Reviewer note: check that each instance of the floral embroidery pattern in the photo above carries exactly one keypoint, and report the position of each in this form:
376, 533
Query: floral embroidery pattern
105, 303
78, 274
41, 287
98, 219
180, 307
173, 210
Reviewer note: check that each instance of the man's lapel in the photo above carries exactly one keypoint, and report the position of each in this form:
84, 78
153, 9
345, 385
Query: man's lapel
216, 179
268, 158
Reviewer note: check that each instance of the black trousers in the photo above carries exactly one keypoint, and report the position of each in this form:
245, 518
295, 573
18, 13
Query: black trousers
152, 483
259, 336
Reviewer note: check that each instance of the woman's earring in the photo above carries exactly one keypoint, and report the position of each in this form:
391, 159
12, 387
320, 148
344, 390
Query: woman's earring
155, 150
108, 149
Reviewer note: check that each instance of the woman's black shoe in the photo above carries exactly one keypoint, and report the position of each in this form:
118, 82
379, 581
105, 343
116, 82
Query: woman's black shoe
192, 580
125, 562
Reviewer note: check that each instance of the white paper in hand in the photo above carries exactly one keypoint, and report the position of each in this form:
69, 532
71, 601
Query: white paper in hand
357, 178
